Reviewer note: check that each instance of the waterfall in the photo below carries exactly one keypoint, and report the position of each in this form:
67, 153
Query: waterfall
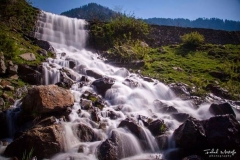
68, 37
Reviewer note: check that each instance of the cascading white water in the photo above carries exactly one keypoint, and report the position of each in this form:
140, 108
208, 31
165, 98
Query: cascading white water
68, 36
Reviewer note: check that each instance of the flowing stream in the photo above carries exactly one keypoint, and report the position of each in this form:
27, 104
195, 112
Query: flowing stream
68, 37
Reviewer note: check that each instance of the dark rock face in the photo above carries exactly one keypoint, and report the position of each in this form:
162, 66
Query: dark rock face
180, 117
218, 91
219, 132
107, 151
93, 74
86, 134
30, 74
45, 45
190, 135
157, 127
3, 125
115, 148
223, 132
46, 141
164, 108
103, 84
162, 141
132, 126
221, 109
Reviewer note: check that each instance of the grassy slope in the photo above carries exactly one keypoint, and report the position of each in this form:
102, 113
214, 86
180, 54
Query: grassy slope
195, 66
17, 19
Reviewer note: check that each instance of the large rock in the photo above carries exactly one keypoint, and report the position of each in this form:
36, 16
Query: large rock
107, 151
118, 146
190, 135
221, 109
219, 132
30, 74
103, 84
28, 56
86, 134
157, 127
223, 132
45, 142
44, 99
45, 45
132, 126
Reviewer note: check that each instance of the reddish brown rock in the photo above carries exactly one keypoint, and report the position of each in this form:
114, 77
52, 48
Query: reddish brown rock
44, 99
45, 142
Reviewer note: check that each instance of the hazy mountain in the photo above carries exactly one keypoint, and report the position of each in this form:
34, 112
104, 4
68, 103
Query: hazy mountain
90, 12
212, 23
93, 11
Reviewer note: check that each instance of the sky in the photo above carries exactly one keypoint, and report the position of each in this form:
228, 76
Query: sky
188, 9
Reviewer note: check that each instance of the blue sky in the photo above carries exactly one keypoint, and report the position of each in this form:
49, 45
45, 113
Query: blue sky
190, 9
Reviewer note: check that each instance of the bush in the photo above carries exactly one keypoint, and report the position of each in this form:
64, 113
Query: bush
119, 30
7, 46
192, 40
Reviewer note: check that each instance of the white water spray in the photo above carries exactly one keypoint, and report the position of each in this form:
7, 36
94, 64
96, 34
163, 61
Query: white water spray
68, 37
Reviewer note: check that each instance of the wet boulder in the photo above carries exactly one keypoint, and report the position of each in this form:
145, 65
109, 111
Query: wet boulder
221, 109
180, 117
29, 74
131, 83
47, 99
103, 84
45, 45
118, 146
132, 126
94, 74
190, 135
162, 141
86, 133
223, 132
107, 151
157, 127
164, 108
45, 142
96, 100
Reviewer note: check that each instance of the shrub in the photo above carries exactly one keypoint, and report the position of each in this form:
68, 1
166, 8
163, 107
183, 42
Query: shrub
7, 46
120, 29
192, 40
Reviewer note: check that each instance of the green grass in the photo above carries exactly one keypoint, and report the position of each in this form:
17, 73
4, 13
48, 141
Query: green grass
193, 67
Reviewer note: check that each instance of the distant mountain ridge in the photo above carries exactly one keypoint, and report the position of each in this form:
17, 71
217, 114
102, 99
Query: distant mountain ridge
93, 11
90, 12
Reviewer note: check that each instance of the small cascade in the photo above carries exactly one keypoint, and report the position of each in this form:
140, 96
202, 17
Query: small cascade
128, 144
148, 137
12, 115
